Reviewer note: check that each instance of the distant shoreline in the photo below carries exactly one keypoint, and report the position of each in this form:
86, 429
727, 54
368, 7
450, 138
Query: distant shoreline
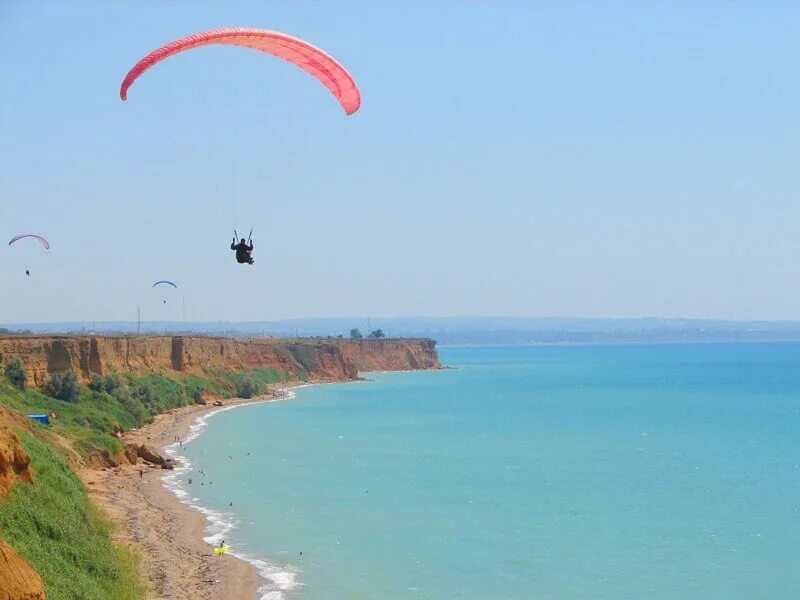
619, 343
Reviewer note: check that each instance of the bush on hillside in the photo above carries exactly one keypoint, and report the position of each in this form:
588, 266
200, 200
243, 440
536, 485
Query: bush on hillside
62, 386
108, 384
247, 388
144, 393
195, 391
15, 372
131, 405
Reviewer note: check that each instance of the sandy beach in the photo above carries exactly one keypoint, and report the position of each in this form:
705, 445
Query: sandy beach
176, 562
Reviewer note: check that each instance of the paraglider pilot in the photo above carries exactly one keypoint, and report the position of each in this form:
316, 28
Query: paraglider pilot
243, 250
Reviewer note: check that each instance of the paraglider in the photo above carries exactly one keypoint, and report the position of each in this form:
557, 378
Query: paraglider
311, 59
39, 238
165, 282
34, 236
244, 249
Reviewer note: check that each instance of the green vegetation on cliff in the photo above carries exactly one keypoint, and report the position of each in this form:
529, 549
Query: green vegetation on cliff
54, 526
112, 403
52, 523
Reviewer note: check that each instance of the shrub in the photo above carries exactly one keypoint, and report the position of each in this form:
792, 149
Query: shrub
195, 391
132, 406
355, 334
144, 393
62, 386
15, 372
108, 384
247, 388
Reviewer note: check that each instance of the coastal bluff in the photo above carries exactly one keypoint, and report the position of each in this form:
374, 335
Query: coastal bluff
312, 359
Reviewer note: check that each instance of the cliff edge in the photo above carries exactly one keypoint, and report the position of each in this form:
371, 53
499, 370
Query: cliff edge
305, 359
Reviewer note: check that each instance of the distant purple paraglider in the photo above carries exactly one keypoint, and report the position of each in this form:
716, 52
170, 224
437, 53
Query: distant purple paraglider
41, 240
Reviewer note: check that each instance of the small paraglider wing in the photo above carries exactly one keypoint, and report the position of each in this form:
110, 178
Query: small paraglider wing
41, 240
300, 53
165, 282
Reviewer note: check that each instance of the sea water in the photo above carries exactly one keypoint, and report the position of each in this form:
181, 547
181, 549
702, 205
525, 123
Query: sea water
654, 472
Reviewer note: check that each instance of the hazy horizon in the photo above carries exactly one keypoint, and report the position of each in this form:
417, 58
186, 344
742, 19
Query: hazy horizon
455, 330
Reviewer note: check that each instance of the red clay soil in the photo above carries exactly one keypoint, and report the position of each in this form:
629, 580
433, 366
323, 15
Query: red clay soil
18, 580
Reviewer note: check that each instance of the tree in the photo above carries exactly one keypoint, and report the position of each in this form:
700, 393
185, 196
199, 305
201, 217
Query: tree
378, 333
15, 371
355, 334
62, 386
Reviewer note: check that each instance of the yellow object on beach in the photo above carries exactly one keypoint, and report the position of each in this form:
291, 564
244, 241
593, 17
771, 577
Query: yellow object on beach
220, 550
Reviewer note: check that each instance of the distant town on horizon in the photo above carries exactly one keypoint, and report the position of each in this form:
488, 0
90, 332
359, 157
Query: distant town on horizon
457, 330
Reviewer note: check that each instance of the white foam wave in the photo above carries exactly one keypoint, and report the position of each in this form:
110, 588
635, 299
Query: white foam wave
278, 579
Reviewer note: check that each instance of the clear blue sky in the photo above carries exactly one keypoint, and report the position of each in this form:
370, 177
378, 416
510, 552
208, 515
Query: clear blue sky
510, 158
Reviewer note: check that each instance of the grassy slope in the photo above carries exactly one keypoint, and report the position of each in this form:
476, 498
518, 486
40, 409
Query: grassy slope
90, 423
52, 524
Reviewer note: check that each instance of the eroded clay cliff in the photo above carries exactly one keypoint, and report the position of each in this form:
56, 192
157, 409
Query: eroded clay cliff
14, 462
314, 359
392, 354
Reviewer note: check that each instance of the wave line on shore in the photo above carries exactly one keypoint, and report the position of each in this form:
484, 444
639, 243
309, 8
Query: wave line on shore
278, 579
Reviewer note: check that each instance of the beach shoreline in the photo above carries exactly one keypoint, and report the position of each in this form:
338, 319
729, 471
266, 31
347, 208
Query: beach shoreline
176, 561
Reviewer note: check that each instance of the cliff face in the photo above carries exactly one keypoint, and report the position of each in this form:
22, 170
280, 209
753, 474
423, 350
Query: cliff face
316, 360
392, 354
13, 459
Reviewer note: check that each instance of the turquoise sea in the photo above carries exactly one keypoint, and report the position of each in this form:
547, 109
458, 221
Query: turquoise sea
564, 472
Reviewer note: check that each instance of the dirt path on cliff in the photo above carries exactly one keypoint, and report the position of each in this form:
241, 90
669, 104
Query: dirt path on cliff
176, 562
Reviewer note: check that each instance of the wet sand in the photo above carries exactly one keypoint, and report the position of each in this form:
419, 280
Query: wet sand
176, 562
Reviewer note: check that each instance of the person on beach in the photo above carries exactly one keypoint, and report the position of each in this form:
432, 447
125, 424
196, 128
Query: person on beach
243, 250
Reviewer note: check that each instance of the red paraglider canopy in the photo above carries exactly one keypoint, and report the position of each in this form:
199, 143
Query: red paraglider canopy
311, 59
